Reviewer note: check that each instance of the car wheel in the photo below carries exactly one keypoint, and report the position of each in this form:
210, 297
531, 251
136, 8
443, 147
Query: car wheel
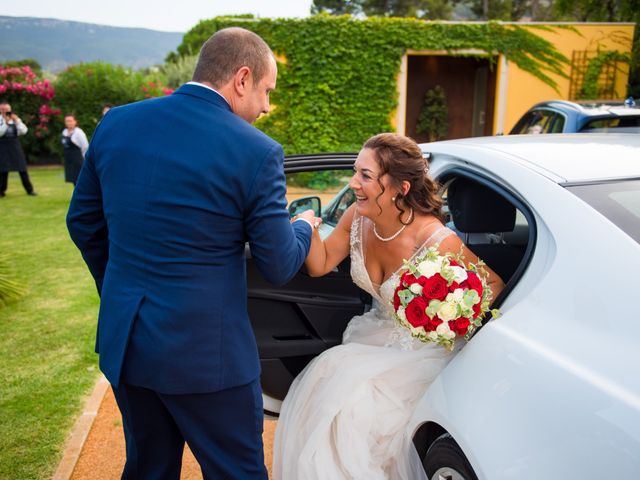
445, 461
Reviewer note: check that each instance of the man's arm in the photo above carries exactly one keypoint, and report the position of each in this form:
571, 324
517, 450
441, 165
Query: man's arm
86, 222
277, 246
3, 126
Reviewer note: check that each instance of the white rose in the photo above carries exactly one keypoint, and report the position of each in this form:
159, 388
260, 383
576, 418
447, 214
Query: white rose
433, 336
447, 311
428, 268
416, 288
456, 296
443, 329
459, 274
401, 315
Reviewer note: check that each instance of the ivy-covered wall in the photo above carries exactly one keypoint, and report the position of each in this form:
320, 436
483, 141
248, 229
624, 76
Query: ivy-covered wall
337, 83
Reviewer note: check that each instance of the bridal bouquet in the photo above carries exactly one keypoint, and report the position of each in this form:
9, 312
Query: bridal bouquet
440, 298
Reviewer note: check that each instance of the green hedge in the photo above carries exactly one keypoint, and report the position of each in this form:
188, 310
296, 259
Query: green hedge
338, 85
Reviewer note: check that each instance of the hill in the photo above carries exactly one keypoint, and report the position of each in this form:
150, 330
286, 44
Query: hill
55, 44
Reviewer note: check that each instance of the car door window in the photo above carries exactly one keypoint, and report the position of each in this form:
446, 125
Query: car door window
539, 121
557, 124
333, 216
325, 185
493, 228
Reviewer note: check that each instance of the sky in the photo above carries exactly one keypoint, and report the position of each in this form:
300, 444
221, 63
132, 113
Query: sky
173, 16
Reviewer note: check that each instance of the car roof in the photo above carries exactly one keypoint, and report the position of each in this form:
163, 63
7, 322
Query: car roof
573, 157
591, 109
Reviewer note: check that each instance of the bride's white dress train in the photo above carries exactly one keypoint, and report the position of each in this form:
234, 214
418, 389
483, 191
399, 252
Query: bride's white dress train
345, 414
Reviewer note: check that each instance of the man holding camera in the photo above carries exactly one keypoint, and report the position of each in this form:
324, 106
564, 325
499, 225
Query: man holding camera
12, 157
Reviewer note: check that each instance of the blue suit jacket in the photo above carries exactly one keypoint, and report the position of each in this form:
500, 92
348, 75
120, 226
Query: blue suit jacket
170, 191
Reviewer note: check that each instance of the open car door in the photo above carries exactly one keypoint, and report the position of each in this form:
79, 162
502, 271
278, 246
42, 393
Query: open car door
301, 319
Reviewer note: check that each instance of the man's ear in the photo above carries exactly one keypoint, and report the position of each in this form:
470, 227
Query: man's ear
241, 80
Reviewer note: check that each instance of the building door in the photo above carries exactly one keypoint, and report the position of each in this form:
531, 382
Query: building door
469, 84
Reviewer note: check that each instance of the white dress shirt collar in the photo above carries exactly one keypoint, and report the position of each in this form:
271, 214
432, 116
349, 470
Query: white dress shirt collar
207, 86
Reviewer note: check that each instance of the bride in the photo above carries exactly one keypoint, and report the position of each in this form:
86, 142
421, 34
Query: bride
345, 414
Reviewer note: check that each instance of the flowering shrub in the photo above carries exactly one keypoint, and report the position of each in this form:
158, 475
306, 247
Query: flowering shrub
83, 89
30, 98
152, 89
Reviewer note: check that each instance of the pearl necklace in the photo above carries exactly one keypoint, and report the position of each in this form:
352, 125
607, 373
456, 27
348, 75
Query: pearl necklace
388, 239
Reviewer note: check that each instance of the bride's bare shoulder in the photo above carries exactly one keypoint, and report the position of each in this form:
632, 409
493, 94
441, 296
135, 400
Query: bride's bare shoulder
427, 226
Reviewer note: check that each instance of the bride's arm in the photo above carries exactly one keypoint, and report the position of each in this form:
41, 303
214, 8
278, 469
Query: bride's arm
325, 255
452, 244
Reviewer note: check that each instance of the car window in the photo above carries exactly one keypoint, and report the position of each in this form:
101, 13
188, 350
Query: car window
489, 224
557, 124
539, 121
333, 216
324, 184
617, 124
618, 201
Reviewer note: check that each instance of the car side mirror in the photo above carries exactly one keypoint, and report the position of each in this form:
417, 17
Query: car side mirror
305, 203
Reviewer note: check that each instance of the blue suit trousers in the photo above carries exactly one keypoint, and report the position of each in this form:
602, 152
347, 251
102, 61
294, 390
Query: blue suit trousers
227, 444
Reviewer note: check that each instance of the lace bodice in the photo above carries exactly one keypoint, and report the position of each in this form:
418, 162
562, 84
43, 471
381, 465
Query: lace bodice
382, 307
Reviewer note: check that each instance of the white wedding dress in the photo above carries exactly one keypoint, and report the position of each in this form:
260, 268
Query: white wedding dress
345, 414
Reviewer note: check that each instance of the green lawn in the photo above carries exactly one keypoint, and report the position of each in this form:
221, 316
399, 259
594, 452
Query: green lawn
47, 364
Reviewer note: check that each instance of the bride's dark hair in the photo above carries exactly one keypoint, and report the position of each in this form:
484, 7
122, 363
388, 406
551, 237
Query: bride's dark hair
400, 157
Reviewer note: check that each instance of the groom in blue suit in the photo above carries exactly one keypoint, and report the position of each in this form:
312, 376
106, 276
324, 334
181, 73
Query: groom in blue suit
170, 191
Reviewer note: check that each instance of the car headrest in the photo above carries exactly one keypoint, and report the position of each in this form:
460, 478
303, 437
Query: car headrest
475, 208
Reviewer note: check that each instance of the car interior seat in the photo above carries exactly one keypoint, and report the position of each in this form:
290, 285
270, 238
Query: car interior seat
476, 209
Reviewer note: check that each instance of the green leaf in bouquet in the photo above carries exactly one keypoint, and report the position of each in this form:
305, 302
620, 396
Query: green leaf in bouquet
447, 274
470, 298
405, 297
476, 322
434, 306
432, 254
446, 343
411, 267
467, 312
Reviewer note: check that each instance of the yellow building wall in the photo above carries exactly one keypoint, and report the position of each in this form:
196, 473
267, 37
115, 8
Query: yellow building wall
522, 90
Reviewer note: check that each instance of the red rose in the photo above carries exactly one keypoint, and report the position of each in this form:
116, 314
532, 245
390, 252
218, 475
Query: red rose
415, 312
396, 298
434, 287
460, 326
454, 285
453, 263
408, 279
476, 309
432, 323
474, 282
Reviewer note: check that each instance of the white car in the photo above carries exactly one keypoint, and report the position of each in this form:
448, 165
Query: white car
550, 389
